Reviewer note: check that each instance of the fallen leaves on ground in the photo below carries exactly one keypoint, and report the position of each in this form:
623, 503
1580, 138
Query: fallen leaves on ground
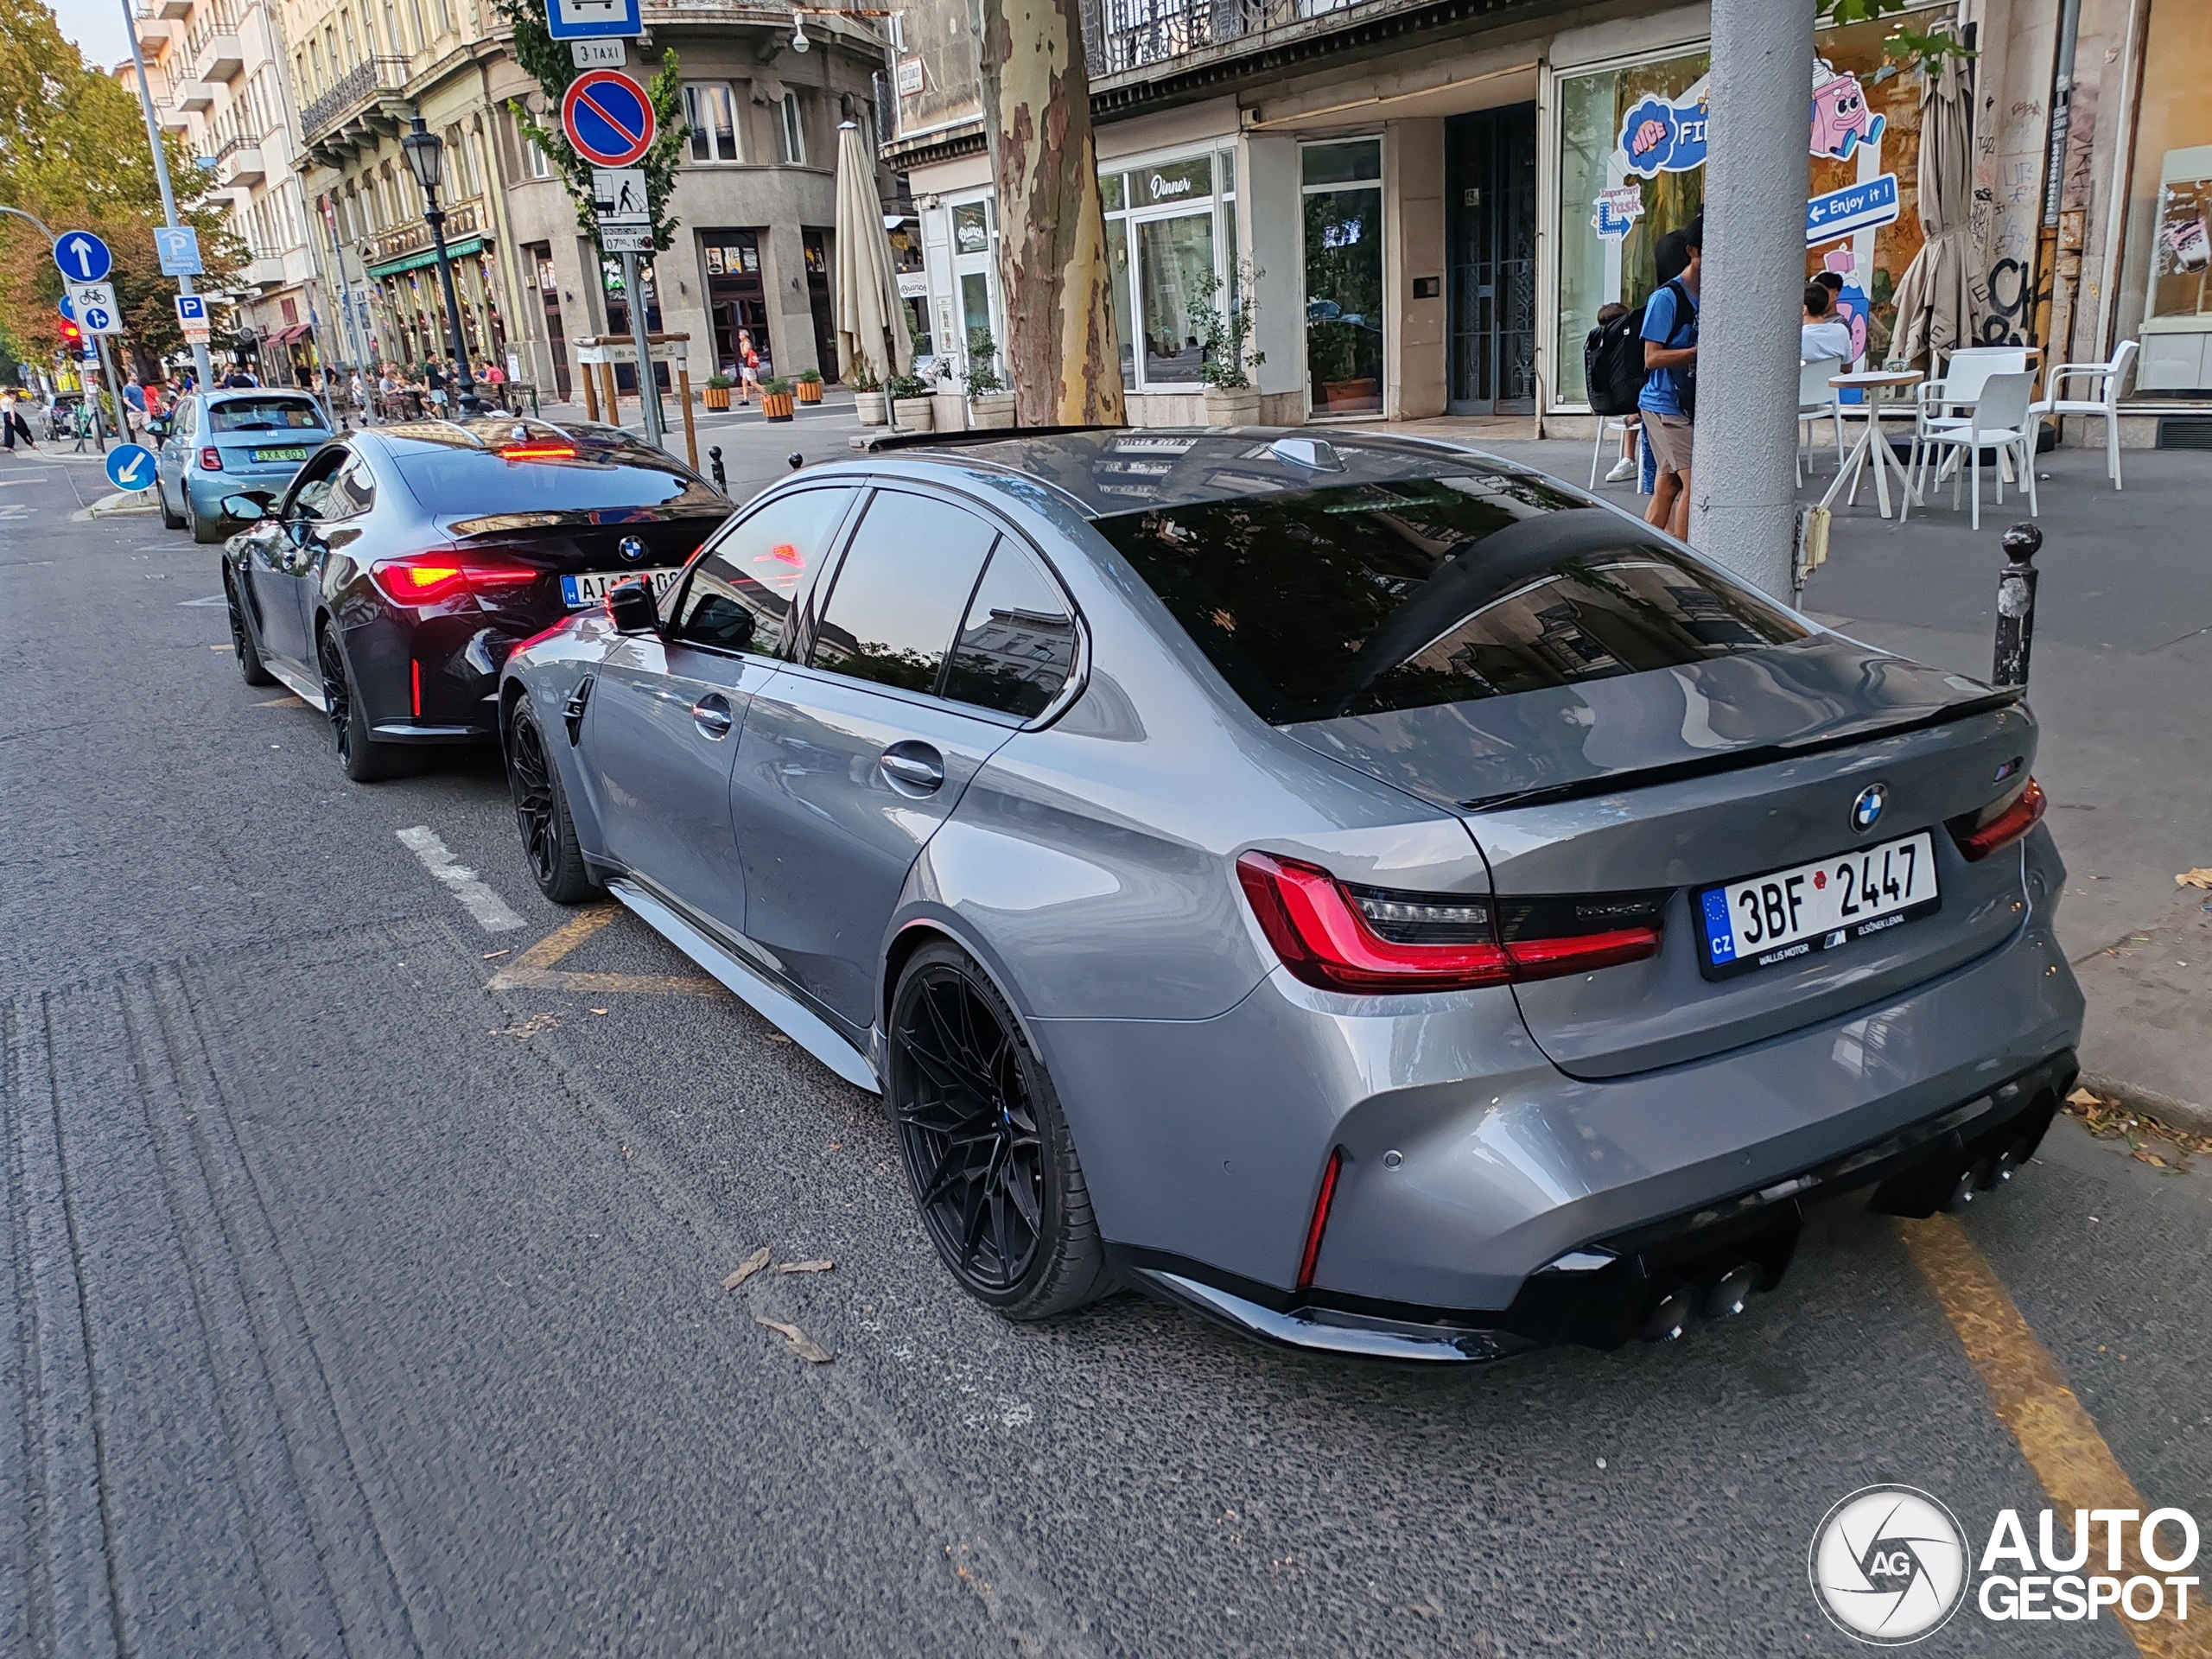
2199, 878
529, 1028
805, 1267
801, 1344
2108, 1120
747, 1268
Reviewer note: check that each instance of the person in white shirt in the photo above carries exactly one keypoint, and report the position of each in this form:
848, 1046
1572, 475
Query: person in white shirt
1823, 334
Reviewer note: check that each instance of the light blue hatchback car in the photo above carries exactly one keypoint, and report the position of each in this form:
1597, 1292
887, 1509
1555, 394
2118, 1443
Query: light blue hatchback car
216, 443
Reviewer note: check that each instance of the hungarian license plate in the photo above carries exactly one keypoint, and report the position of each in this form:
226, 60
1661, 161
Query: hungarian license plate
591, 587
293, 453
1780, 917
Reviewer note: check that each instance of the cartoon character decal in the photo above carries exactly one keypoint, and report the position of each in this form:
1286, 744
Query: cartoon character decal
1841, 121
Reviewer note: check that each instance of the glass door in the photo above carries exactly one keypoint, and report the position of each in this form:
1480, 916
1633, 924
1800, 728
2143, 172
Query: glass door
1342, 188
1489, 159
975, 277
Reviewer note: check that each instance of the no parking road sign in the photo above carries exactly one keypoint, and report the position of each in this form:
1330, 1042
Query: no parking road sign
130, 466
608, 117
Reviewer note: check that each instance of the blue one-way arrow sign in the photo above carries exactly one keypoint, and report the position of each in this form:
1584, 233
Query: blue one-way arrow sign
83, 257
1855, 207
130, 467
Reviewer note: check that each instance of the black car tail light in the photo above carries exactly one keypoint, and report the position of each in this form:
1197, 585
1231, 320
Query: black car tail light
1372, 940
433, 578
2000, 823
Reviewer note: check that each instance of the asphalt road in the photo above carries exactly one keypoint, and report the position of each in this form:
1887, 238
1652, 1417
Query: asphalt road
359, 1307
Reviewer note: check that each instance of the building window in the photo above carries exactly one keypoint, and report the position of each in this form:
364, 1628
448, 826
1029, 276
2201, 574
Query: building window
1171, 241
536, 164
711, 113
794, 133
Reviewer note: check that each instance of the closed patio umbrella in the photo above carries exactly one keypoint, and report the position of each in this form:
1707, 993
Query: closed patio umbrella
872, 329
1935, 301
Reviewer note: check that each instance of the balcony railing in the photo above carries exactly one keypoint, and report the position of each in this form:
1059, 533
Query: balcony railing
363, 84
463, 219
1121, 35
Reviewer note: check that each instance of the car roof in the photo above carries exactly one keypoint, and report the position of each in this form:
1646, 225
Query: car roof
1111, 470
489, 433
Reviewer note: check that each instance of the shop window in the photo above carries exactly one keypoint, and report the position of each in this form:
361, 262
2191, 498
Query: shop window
711, 113
1171, 241
971, 228
1176, 256
1343, 207
2166, 273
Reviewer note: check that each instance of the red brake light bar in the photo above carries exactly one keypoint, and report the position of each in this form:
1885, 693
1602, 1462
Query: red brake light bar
433, 578
538, 452
1327, 934
1999, 824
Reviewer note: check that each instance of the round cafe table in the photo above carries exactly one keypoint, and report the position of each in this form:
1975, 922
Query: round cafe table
1871, 445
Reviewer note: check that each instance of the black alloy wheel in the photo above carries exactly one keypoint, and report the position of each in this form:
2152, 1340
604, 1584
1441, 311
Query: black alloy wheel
359, 756
992, 1164
251, 668
202, 532
548, 834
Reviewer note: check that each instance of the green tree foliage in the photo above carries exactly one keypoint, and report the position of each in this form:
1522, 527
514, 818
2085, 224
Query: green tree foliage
1923, 49
550, 61
73, 152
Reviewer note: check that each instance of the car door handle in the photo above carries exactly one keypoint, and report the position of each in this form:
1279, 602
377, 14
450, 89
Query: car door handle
712, 716
914, 768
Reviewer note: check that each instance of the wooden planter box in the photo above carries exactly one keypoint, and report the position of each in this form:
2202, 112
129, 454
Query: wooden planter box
715, 396
807, 392
775, 406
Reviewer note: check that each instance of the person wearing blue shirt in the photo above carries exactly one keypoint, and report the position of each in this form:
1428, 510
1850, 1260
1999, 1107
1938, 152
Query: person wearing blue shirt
1669, 348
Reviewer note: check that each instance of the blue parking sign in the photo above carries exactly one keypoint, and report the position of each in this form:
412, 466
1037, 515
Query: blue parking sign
177, 247
130, 466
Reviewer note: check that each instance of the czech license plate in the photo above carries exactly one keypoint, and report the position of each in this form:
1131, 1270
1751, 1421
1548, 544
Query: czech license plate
591, 587
294, 453
1791, 913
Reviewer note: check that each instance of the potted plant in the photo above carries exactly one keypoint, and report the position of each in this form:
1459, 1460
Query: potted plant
717, 392
776, 398
867, 397
990, 403
910, 404
1225, 332
807, 387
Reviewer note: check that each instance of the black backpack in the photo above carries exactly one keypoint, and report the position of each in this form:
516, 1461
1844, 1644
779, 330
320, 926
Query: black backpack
1612, 363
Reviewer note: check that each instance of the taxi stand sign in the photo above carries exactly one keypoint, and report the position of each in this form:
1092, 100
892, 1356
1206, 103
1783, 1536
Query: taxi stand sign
587, 20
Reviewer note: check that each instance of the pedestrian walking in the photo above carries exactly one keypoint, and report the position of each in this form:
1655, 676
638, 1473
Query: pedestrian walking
135, 395
13, 426
749, 367
1668, 399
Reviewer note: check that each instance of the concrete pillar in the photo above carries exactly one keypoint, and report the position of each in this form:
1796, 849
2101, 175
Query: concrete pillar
1414, 324
790, 315
1269, 222
1743, 485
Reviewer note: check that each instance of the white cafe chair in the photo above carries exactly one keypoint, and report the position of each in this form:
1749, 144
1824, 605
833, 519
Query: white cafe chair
1944, 403
1609, 426
1997, 419
2103, 401
1817, 402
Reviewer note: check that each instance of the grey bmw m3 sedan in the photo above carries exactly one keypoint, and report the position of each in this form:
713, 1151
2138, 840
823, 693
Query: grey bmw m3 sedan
1369, 892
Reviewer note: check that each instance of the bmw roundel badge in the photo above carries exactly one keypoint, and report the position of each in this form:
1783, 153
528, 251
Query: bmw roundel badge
633, 550
1866, 810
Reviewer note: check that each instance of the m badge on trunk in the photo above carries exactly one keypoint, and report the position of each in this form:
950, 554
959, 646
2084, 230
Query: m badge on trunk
1866, 810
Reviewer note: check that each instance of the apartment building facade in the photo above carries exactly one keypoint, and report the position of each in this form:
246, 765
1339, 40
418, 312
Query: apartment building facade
755, 192
1431, 200
218, 72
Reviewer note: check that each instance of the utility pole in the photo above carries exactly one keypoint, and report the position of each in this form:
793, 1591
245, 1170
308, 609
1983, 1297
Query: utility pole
202, 371
1743, 472
648, 388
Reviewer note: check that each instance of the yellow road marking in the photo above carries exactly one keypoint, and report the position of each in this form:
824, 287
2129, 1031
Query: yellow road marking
2056, 1434
535, 969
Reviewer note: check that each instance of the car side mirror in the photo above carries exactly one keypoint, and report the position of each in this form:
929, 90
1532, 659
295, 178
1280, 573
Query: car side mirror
251, 505
632, 608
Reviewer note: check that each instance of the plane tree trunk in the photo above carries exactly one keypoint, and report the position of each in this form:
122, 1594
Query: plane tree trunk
1062, 353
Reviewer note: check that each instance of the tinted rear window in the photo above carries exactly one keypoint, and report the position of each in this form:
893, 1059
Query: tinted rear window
597, 481
1367, 597
266, 415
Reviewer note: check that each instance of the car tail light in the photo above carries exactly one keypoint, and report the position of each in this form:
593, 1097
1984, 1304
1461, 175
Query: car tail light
433, 578
415, 686
1365, 939
211, 460
538, 452
1311, 1254
2000, 823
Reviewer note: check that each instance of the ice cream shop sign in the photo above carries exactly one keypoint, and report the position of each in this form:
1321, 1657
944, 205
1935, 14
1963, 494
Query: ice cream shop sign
1661, 135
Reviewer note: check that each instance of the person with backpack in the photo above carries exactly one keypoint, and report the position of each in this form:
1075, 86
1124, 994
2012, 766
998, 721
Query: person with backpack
1668, 400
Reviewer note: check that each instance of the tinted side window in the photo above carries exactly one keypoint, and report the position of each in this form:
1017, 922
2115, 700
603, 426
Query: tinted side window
901, 589
1017, 643
354, 492
740, 595
311, 496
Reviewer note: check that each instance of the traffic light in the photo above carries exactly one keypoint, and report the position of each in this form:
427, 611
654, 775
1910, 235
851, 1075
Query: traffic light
73, 335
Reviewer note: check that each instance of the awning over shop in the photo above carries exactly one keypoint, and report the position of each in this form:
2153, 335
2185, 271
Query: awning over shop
427, 257
286, 336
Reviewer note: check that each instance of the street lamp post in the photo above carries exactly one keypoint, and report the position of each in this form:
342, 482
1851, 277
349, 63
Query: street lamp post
426, 158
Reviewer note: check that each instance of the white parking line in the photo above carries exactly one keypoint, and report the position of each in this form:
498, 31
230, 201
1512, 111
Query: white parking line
485, 905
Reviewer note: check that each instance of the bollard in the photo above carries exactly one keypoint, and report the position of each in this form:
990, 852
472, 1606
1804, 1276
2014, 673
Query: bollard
714, 458
795, 461
2016, 606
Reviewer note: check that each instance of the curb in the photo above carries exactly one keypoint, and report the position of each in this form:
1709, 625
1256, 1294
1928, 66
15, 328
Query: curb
2150, 1103
121, 503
